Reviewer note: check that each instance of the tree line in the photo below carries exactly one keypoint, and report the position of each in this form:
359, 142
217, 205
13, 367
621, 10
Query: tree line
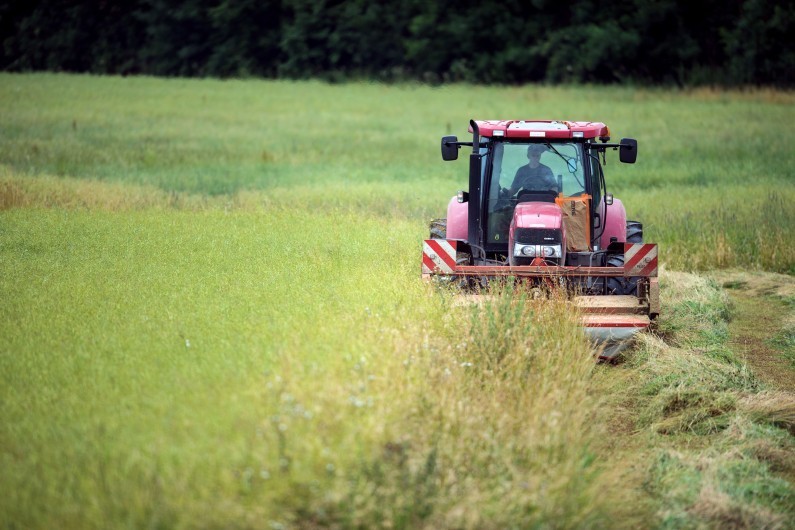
657, 42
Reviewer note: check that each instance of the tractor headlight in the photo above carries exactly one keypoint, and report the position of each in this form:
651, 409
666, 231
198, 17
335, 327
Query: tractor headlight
528, 251
531, 251
552, 251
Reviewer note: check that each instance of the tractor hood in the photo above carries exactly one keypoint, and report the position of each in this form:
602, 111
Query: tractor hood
537, 231
537, 215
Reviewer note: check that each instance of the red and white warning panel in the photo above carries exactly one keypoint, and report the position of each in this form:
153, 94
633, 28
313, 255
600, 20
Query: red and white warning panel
640, 259
438, 255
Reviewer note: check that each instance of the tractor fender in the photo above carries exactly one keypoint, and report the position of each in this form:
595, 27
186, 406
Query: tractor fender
457, 219
615, 223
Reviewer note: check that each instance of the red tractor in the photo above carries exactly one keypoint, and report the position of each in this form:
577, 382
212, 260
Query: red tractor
538, 210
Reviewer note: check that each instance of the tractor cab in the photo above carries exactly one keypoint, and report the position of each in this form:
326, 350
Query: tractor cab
537, 190
520, 172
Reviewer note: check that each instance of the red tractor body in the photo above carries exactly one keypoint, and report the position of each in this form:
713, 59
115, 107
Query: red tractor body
537, 209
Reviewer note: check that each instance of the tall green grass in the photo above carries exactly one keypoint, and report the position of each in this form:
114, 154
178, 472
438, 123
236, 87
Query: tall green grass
211, 312
135, 348
256, 369
711, 185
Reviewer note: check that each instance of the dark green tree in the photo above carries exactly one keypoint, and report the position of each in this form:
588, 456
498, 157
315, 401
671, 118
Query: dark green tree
734, 42
87, 36
759, 46
179, 37
245, 38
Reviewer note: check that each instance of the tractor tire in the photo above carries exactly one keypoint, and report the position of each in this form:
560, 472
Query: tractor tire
620, 285
438, 229
634, 235
634, 232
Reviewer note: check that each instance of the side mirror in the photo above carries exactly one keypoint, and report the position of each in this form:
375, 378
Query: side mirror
628, 152
449, 148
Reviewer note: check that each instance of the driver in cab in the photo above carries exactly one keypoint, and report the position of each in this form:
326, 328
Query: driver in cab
535, 176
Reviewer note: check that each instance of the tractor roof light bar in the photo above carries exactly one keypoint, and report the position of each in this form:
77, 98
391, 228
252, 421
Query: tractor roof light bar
589, 145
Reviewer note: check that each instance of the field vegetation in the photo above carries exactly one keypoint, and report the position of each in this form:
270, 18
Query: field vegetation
211, 315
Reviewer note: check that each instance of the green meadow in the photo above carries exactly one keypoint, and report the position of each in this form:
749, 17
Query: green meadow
211, 314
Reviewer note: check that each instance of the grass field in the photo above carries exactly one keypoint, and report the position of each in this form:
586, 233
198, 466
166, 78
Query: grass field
211, 315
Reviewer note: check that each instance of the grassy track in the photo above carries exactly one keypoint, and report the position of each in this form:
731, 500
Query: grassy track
700, 440
210, 314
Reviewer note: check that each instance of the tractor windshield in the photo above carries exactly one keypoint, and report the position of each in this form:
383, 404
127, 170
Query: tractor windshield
534, 167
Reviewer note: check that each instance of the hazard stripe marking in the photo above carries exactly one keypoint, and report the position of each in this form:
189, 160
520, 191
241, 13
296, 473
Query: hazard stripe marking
640, 259
445, 251
650, 269
427, 264
633, 253
438, 255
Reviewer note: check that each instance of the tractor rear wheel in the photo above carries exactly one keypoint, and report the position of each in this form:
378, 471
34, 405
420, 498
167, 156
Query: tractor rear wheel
620, 285
615, 285
626, 285
438, 229
634, 232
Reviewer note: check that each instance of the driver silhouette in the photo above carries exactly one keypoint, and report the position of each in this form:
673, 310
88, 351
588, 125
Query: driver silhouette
535, 176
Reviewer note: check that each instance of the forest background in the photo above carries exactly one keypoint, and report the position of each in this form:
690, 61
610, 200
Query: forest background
667, 42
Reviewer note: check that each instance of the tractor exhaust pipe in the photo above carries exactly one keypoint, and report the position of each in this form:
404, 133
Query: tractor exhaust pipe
475, 136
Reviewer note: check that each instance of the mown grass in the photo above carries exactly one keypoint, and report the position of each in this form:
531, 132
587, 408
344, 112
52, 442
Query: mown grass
211, 313
784, 340
716, 442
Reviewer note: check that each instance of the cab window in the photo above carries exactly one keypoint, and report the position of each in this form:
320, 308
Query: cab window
596, 189
563, 160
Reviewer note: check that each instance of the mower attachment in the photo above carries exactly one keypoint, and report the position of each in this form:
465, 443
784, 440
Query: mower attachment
609, 319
